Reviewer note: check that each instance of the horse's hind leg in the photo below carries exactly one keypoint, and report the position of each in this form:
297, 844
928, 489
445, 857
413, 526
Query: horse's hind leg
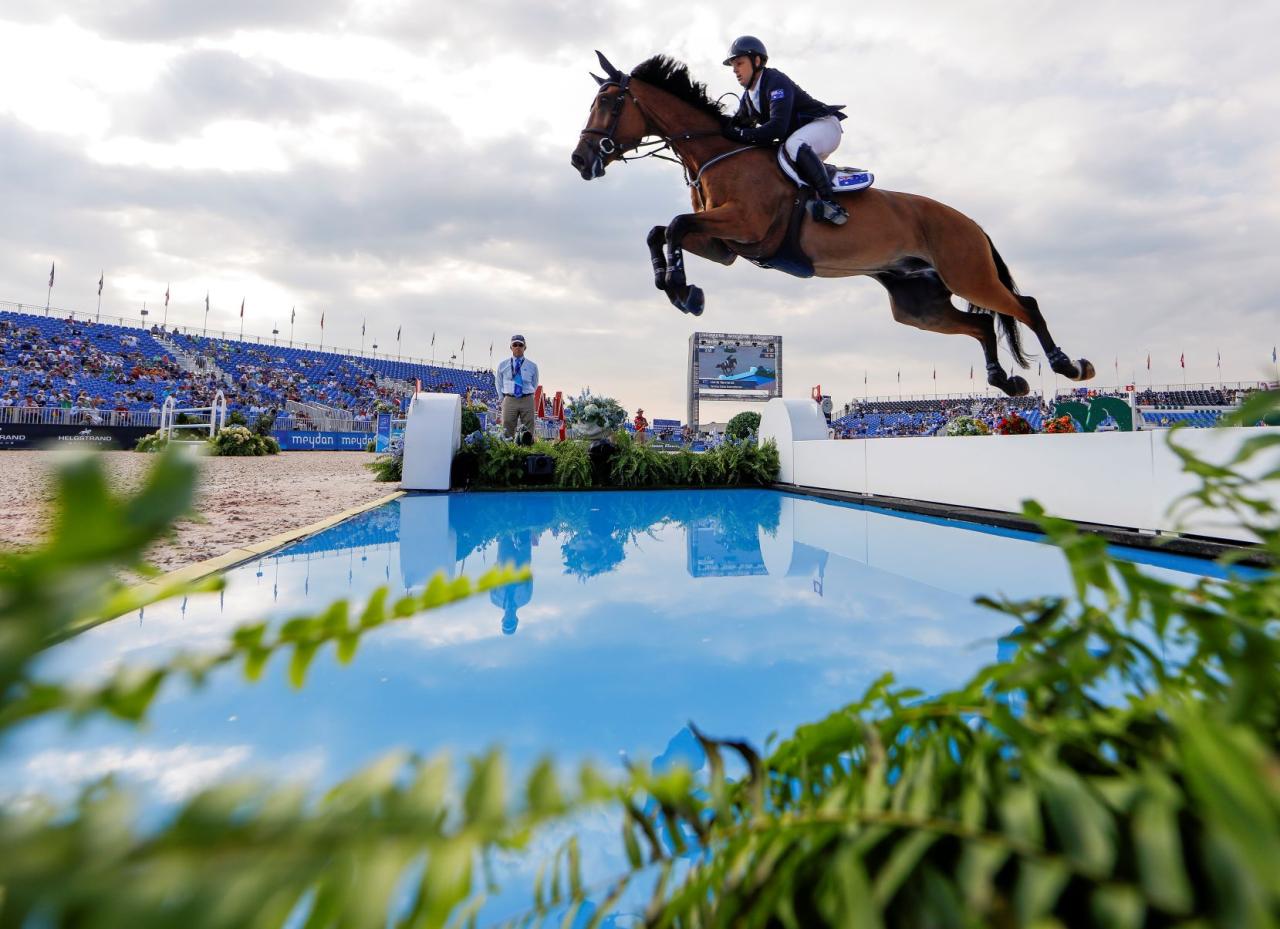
979, 275
919, 298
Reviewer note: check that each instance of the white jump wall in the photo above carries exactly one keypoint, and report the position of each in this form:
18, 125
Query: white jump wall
1125, 479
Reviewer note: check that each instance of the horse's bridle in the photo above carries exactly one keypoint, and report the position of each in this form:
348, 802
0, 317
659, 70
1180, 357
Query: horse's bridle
608, 144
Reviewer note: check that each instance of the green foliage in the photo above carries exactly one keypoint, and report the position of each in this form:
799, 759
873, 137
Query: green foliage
152, 442
238, 440
743, 425
635, 465
1119, 768
470, 422
389, 466
603, 414
263, 424
236, 418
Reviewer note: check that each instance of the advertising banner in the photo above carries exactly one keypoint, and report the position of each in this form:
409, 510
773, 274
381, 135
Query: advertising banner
14, 435
294, 440
384, 433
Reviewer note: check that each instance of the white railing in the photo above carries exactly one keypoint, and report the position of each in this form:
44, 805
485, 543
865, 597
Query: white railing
77, 416
216, 413
140, 322
294, 424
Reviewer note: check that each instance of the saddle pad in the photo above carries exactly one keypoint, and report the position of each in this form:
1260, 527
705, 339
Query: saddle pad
846, 179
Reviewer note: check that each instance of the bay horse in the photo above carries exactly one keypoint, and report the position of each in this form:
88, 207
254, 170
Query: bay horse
920, 250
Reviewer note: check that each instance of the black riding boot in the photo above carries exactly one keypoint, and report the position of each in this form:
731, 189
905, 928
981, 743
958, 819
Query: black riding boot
814, 173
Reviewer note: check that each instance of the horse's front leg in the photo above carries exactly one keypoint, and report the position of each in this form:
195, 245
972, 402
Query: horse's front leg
696, 230
656, 240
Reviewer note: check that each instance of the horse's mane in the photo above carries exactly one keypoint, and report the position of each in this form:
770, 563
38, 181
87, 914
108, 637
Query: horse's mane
672, 76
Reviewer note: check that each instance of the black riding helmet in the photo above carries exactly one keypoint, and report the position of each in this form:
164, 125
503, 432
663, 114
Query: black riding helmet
746, 45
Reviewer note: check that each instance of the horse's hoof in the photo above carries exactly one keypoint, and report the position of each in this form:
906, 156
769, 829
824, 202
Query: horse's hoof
660, 280
1086, 370
1017, 386
696, 302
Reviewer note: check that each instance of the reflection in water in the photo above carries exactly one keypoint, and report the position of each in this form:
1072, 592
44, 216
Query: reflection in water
515, 548
745, 611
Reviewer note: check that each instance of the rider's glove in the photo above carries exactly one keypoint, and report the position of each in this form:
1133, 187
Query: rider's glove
736, 133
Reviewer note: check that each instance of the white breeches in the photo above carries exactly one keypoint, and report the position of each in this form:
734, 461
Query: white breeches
821, 135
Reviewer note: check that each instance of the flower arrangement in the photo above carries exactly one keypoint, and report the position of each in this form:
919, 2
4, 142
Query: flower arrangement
1013, 424
967, 425
240, 440
590, 415
1061, 424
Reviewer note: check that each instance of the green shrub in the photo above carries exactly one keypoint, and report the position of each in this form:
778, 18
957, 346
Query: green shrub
236, 418
636, 464
573, 465
389, 466
152, 442
371, 445
966, 425
743, 425
264, 423
470, 422
239, 441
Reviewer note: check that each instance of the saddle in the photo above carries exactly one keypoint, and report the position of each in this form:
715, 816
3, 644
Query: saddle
790, 257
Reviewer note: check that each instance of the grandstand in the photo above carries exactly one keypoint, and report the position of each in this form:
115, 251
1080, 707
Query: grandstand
1200, 405
116, 373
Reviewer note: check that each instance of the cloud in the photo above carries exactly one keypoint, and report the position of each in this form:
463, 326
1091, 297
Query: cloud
409, 166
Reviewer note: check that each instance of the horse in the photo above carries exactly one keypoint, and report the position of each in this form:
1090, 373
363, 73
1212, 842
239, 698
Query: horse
920, 250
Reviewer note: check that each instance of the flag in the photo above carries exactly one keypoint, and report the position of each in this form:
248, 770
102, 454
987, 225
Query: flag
362, 328
321, 322
166, 294
206, 301
899, 376
1183, 360
970, 372
1219, 361
864, 378
100, 276
293, 314
935, 374
433, 339
242, 307
464, 343
51, 274
1148, 361
1039, 369
1273, 354
398, 330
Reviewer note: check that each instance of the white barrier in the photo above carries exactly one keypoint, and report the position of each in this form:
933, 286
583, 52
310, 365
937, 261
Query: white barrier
431, 437
1124, 479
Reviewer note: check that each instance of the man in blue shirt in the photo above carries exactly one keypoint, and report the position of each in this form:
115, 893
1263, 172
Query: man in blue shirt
517, 380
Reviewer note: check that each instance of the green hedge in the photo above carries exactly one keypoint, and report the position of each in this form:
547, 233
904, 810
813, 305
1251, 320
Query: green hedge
496, 463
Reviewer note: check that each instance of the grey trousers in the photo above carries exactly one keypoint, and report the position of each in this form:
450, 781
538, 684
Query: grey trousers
517, 409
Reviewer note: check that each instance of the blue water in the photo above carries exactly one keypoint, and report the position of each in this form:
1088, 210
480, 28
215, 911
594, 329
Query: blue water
745, 611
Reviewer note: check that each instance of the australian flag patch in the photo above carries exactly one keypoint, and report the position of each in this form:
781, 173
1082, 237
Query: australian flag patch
777, 94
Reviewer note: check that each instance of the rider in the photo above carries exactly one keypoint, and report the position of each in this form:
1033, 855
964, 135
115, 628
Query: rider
775, 109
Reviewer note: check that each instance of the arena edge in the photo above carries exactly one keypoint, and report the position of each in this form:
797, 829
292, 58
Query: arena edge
1124, 481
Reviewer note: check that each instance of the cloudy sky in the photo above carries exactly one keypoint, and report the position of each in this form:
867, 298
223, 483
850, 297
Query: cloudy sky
408, 164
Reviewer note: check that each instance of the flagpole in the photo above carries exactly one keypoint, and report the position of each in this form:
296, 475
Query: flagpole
48, 297
293, 314
362, 323
98, 317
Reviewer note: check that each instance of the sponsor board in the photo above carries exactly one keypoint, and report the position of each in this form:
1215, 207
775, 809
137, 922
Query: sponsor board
294, 440
44, 435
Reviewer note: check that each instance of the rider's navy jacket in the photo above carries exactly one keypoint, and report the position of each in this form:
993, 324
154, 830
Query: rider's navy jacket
784, 108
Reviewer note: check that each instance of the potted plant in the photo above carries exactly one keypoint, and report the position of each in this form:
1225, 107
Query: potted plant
590, 416
967, 425
1013, 424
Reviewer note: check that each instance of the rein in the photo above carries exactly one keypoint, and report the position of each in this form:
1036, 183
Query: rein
664, 143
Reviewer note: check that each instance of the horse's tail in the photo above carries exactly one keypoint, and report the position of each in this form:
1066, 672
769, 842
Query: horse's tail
1007, 323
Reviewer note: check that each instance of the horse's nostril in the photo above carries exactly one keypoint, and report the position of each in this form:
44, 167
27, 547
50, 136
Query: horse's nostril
577, 161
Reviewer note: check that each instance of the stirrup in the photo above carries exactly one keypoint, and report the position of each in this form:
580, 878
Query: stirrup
829, 211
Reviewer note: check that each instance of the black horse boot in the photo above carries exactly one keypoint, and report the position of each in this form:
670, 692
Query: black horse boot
814, 173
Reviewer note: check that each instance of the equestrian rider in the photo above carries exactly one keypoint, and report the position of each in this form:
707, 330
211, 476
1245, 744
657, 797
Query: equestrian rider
774, 109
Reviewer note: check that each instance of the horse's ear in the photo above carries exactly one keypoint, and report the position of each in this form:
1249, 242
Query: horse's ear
598, 79
609, 69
